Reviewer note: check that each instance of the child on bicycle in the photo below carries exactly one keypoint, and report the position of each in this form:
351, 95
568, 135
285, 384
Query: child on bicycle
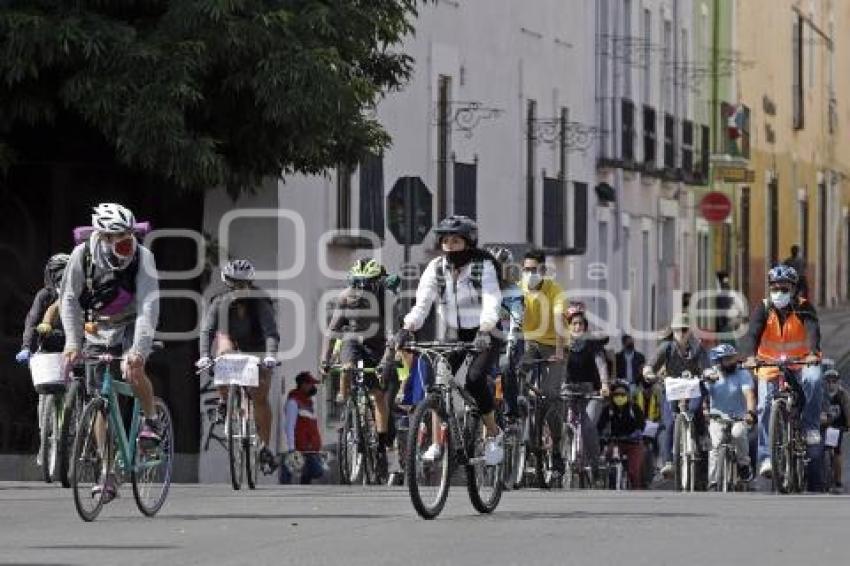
838, 417
622, 423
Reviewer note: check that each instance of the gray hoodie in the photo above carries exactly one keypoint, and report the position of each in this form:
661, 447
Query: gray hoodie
142, 314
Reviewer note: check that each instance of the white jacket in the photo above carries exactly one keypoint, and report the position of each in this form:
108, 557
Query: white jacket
460, 306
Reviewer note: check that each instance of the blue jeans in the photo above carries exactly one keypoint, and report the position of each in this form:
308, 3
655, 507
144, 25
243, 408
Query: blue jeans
669, 409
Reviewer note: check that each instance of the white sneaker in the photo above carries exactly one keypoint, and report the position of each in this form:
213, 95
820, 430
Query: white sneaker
813, 438
494, 452
666, 469
766, 469
433, 453
392, 462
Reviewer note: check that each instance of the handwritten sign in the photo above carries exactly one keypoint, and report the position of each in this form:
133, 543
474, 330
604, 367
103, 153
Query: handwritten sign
679, 389
832, 437
237, 369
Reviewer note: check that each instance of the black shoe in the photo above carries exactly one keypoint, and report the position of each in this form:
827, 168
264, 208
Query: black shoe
745, 472
558, 463
267, 461
381, 465
221, 412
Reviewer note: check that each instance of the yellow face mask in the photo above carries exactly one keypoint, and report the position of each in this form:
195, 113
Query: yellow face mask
620, 400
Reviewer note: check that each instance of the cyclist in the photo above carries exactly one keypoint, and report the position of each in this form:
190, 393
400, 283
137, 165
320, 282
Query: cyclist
109, 303
679, 351
42, 327
837, 416
587, 368
731, 395
512, 313
465, 285
786, 325
544, 338
242, 318
359, 320
623, 422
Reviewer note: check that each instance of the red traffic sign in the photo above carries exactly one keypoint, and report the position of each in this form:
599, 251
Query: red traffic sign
715, 207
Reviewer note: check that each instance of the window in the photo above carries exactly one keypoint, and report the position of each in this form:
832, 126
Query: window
628, 130
797, 73
669, 143
443, 142
627, 42
647, 56
683, 79
649, 136
688, 146
530, 164
667, 69
372, 194
343, 197
553, 213
705, 152
465, 189
580, 215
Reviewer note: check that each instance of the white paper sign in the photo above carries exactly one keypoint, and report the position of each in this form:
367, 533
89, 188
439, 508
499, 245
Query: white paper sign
46, 369
237, 369
650, 430
678, 389
832, 437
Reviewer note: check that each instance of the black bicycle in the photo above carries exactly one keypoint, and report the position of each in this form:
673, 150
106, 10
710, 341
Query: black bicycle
358, 432
446, 432
579, 468
529, 450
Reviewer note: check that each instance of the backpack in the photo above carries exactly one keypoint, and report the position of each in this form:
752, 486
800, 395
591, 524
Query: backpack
477, 273
101, 292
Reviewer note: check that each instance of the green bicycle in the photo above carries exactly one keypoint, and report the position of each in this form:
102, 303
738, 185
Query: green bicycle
102, 447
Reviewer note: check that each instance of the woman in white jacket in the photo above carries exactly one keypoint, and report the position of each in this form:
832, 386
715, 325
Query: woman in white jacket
464, 283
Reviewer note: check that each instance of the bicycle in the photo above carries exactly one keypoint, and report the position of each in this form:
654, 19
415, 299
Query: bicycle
239, 373
833, 437
579, 470
358, 433
102, 447
614, 464
49, 382
532, 449
788, 448
686, 444
728, 478
448, 417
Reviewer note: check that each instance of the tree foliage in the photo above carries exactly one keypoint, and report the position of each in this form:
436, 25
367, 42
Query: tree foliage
200, 93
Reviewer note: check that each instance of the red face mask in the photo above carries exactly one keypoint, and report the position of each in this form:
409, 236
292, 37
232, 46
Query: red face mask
124, 247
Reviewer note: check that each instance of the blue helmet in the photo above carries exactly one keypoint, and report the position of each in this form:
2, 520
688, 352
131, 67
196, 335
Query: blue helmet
721, 351
783, 274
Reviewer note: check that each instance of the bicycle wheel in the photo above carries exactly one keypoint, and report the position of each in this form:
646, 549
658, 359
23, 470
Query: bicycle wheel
47, 436
483, 482
72, 411
88, 466
251, 444
722, 461
682, 468
234, 436
350, 460
798, 454
828, 473
428, 479
780, 445
372, 474
572, 473
547, 476
622, 476
151, 474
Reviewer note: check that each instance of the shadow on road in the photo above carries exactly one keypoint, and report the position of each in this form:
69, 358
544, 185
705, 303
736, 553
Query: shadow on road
533, 516
250, 516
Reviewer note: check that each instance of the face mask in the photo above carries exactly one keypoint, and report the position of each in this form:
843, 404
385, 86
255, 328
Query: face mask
532, 280
620, 400
459, 258
779, 299
124, 247
832, 388
629, 347
680, 336
729, 368
312, 391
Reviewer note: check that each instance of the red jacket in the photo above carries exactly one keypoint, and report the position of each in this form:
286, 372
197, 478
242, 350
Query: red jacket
307, 437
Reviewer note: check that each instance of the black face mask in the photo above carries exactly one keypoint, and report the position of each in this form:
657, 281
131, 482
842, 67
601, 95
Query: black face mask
459, 258
629, 347
312, 391
729, 368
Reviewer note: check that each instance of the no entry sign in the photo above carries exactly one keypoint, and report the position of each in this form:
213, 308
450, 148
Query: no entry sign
715, 207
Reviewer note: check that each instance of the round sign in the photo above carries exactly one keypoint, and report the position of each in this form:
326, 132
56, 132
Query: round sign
715, 207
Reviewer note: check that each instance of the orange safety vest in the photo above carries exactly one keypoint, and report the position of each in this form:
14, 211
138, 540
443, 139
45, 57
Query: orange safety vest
779, 340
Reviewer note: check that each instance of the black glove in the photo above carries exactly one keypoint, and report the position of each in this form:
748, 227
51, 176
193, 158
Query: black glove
482, 341
325, 367
401, 338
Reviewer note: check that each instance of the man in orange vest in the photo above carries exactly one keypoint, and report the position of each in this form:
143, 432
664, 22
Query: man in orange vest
786, 325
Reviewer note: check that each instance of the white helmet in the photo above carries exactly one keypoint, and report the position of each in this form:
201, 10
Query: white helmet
112, 218
237, 270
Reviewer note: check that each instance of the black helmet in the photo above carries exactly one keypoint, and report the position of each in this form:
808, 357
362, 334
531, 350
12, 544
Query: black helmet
55, 269
462, 226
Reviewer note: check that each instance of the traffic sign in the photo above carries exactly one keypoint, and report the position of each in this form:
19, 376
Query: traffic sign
409, 211
715, 207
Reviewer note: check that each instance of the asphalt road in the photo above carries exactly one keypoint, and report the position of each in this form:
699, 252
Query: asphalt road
214, 525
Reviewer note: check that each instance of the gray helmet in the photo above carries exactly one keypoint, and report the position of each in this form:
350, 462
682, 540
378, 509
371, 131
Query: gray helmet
55, 269
459, 225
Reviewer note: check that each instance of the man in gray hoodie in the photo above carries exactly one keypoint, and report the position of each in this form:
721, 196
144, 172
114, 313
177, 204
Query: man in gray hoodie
109, 303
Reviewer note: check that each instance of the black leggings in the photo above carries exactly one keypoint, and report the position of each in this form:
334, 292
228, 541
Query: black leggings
479, 370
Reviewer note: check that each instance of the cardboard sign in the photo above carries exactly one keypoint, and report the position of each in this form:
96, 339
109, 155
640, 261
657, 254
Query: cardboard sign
831, 438
237, 369
679, 389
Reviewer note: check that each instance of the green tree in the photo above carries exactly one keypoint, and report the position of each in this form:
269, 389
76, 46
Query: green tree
199, 93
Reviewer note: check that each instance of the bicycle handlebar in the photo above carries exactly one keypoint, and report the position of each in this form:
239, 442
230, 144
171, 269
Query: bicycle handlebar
211, 365
781, 364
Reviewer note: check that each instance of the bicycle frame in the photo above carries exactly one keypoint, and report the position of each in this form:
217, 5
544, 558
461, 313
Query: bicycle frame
110, 390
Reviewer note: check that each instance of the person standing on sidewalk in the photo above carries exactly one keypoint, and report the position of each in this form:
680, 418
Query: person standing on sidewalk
303, 439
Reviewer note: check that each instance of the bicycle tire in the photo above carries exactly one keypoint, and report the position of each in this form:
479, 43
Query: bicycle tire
46, 454
369, 442
234, 433
478, 473
141, 480
85, 446
799, 458
682, 468
250, 442
779, 446
828, 472
72, 411
421, 433
350, 460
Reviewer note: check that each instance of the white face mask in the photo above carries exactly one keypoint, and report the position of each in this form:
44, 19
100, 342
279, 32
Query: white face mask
680, 337
532, 280
780, 299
